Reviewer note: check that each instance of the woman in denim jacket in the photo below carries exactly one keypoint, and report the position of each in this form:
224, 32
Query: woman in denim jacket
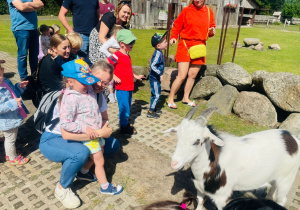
12, 114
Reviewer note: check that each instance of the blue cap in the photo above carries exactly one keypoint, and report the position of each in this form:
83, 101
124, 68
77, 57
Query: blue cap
156, 38
79, 70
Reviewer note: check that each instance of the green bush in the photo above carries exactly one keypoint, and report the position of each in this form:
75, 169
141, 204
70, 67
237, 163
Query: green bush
3, 8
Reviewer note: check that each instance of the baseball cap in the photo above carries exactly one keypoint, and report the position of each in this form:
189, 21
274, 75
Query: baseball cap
156, 38
125, 36
79, 70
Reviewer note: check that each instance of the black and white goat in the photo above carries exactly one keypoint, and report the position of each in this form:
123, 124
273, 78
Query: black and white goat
224, 163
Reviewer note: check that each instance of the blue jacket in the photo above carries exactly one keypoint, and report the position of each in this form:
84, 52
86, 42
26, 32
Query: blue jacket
157, 64
9, 114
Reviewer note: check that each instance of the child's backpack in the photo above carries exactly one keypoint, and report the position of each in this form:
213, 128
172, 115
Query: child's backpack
43, 115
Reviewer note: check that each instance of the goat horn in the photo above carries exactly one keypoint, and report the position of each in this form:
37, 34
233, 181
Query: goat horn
205, 115
190, 114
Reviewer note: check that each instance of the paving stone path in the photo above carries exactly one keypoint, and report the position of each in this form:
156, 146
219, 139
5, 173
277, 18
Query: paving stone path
32, 185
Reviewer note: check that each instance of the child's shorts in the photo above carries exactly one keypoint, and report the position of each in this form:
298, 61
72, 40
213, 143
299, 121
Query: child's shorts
94, 145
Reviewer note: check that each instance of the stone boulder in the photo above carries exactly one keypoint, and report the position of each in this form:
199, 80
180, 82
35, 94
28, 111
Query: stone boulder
292, 124
140, 70
283, 89
223, 99
251, 41
206, 87
235, 75
255, 107
239, 45
274, 47
211, 70
259, 47
165, 85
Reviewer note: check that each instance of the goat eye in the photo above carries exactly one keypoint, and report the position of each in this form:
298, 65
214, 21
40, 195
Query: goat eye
197, 142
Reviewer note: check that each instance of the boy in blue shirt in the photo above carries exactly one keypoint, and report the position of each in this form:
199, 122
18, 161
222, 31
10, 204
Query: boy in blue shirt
159, 42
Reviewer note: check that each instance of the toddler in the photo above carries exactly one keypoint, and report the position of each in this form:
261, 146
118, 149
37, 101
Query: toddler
123, 76
159, 42
12, 114
79, 113
45, 38
114, 45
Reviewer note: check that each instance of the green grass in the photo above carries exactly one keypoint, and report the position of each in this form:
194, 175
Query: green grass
286, 60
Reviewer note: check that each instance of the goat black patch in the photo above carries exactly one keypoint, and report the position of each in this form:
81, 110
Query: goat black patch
290, 143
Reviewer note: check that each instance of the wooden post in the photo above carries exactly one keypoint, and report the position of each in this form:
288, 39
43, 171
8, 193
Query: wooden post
170, 12
221, 37
238, 34
253, 17
222, 50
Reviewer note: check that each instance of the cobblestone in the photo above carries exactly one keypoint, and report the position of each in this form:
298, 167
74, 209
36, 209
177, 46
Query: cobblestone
32, 185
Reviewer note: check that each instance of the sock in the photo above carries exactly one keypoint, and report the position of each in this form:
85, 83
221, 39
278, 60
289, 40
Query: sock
150, 111
84, 171
105, 186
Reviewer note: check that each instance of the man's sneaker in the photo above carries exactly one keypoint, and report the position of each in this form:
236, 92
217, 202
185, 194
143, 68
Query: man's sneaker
158, 111
111, 98
152, 114
87, 177
67, 198
111, 189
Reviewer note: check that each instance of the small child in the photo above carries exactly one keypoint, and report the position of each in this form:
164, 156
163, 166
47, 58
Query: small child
123, 76
12, 114
76, 43
159, 42
111, 43
45, 38
56, 29
79, 113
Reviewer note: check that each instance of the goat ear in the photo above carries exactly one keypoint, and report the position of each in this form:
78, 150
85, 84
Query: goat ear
213, 138
171, 130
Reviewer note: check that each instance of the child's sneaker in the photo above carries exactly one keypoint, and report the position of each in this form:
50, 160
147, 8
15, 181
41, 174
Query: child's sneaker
19, 160
158, 111
111, 98
67, 198
86, 177
152, 114
111, 189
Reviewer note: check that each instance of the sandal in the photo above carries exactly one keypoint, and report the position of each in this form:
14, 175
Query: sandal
192, 103
111, 189
19, 160
171, 105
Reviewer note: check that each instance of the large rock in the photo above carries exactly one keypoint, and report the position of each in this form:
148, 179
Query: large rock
238, 45
206, 87
251, 41
165, 85
223, 99
234, 75
140, 70
259, 47
255, 107
292, 124
211, 70
274, 47
283, 89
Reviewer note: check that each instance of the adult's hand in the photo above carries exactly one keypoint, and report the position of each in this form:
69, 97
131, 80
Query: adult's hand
19, 101
105, 131
211, 31
172, 41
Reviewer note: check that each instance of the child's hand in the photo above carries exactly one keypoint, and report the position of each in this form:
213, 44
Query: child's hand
161, 78
23, 84
105, 131
19, 101
92, 133
117, 79
139, 77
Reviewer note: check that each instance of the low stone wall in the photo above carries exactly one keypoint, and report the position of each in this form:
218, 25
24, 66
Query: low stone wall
269, 99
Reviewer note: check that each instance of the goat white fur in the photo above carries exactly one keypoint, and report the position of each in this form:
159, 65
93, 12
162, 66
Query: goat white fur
224, 163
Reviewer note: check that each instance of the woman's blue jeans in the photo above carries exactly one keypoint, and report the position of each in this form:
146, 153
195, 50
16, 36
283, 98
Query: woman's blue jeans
72, 154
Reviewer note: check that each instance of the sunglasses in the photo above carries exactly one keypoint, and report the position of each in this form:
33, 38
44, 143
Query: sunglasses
125, 2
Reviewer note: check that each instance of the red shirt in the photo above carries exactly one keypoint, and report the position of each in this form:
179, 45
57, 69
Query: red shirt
104, 8
192, 23
123, 70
